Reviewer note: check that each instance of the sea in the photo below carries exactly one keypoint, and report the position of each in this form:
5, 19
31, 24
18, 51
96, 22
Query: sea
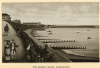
80, 35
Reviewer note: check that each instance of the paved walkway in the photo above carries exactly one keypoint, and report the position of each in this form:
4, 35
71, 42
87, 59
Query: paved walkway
19, 50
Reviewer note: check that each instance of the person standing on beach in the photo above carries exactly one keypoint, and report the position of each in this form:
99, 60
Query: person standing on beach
6, 28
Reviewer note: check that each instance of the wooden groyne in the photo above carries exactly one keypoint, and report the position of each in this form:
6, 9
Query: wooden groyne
47, 39
56, 41
68, 47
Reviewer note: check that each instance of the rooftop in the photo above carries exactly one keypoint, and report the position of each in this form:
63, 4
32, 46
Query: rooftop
5, 14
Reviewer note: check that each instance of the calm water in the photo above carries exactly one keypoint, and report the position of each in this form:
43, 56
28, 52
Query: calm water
92, 45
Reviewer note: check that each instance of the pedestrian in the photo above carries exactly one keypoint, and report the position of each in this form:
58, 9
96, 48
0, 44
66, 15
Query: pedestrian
46, 46
19, 30
7, 51
28, 50
13, 49
13, 44
29, 46
6, 28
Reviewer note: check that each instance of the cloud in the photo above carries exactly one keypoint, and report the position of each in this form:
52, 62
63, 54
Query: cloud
53, 12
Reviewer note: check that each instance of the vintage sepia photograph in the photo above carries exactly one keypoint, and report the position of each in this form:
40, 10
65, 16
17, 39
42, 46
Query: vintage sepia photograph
46, 32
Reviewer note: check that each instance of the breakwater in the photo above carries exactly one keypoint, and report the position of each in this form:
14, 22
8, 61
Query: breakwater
68, 47
48, 40
56, 41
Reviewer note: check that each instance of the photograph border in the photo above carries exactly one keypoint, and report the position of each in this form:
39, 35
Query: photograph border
32, 65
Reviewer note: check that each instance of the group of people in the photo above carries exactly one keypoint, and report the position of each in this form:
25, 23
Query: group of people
10, 47
10, 50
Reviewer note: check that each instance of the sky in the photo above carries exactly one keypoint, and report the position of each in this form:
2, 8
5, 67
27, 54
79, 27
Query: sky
54, 13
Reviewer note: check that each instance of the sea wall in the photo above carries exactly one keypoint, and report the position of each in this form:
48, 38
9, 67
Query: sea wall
36, 53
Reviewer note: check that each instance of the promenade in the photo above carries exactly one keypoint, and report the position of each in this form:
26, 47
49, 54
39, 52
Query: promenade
20, 51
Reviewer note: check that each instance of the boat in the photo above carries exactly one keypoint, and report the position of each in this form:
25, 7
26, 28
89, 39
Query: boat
88, 30
49, 31
50, 34
89, 38
78, 31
